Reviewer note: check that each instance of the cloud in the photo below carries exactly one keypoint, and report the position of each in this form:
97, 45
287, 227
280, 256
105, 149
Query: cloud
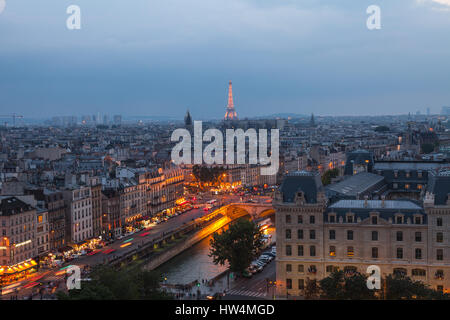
443, 2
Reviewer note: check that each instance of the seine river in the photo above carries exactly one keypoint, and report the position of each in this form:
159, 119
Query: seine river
194, 264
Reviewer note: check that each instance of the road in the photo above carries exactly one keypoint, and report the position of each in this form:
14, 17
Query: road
121, 247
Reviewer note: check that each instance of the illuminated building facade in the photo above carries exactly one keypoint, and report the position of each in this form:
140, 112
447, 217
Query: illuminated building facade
316, 237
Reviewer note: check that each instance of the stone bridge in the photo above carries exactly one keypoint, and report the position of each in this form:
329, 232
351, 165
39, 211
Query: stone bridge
256, 211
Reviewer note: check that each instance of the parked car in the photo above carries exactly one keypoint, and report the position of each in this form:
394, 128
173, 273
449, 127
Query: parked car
266, 258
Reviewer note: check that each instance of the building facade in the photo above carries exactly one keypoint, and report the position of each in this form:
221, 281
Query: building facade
315, 237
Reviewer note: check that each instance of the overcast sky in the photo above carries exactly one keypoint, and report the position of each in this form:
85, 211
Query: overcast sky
160, 57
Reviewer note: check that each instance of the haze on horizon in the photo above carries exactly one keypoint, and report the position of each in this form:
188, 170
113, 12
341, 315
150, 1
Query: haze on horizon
161, 57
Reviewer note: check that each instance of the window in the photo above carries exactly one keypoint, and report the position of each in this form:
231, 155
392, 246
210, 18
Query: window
374, 235
418, 253
332, 218
439, 222
375, 253
418, 220
399, 236
439, 237
300, 251
299, 219
418, 236
349, 234
288, 283
288, 233
399, 219
349, 219
400, 271
288, 267
332, 234
374, 220
299, 234
301, 284
332, 251
312, 234
350, 252
399, 253
418, 272
330, 269
288, 250
439, 254
301, 268
312, 251
288, 218
312, 219
439, 274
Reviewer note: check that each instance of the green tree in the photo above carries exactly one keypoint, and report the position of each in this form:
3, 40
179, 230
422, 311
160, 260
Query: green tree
106, 283
382, 129
339, 286
402, 287
427, 148
238, 245
333, 285
328, 175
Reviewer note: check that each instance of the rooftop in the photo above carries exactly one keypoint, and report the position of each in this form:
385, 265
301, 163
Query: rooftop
376, 204
356, 184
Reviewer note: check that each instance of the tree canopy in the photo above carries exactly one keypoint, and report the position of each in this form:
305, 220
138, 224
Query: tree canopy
107, 283
328, 175
341, 287
238, 245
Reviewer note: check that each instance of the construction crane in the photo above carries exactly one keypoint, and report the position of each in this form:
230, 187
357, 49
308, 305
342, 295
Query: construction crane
14, 116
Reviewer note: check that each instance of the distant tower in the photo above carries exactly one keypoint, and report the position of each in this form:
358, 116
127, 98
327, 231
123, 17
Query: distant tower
312, 123
187, 119
230, 114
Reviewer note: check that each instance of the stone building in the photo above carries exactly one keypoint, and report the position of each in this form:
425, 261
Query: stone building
403, 236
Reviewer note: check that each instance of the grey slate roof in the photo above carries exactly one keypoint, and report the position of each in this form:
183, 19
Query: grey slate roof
354, 185
439, 185
307, 182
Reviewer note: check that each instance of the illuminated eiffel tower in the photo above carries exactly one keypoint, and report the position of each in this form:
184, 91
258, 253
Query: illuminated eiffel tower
230, 114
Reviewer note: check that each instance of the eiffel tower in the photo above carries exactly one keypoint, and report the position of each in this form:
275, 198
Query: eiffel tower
230, 114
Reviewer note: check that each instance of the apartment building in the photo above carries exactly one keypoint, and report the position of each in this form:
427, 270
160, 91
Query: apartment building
78, 214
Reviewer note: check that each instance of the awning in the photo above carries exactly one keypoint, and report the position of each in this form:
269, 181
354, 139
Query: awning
18, 267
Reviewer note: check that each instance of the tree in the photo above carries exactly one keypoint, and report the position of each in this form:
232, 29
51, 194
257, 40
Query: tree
238, 245
333, 285
382, 129
328, 175
204, 174
311, 288
427, 148
402, 287
107, 283
340, 286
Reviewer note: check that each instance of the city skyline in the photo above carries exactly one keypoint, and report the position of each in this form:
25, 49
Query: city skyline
159, 59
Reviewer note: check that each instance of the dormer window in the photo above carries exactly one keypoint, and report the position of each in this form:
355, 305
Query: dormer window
418, 220
332, 218
350, 218
374, 219
399, 219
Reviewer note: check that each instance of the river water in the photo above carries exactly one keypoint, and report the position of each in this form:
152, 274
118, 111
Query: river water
194, 264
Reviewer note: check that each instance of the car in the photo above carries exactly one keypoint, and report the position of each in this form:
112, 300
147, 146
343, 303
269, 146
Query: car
266, 257
270, 253
256, 268
259, 263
